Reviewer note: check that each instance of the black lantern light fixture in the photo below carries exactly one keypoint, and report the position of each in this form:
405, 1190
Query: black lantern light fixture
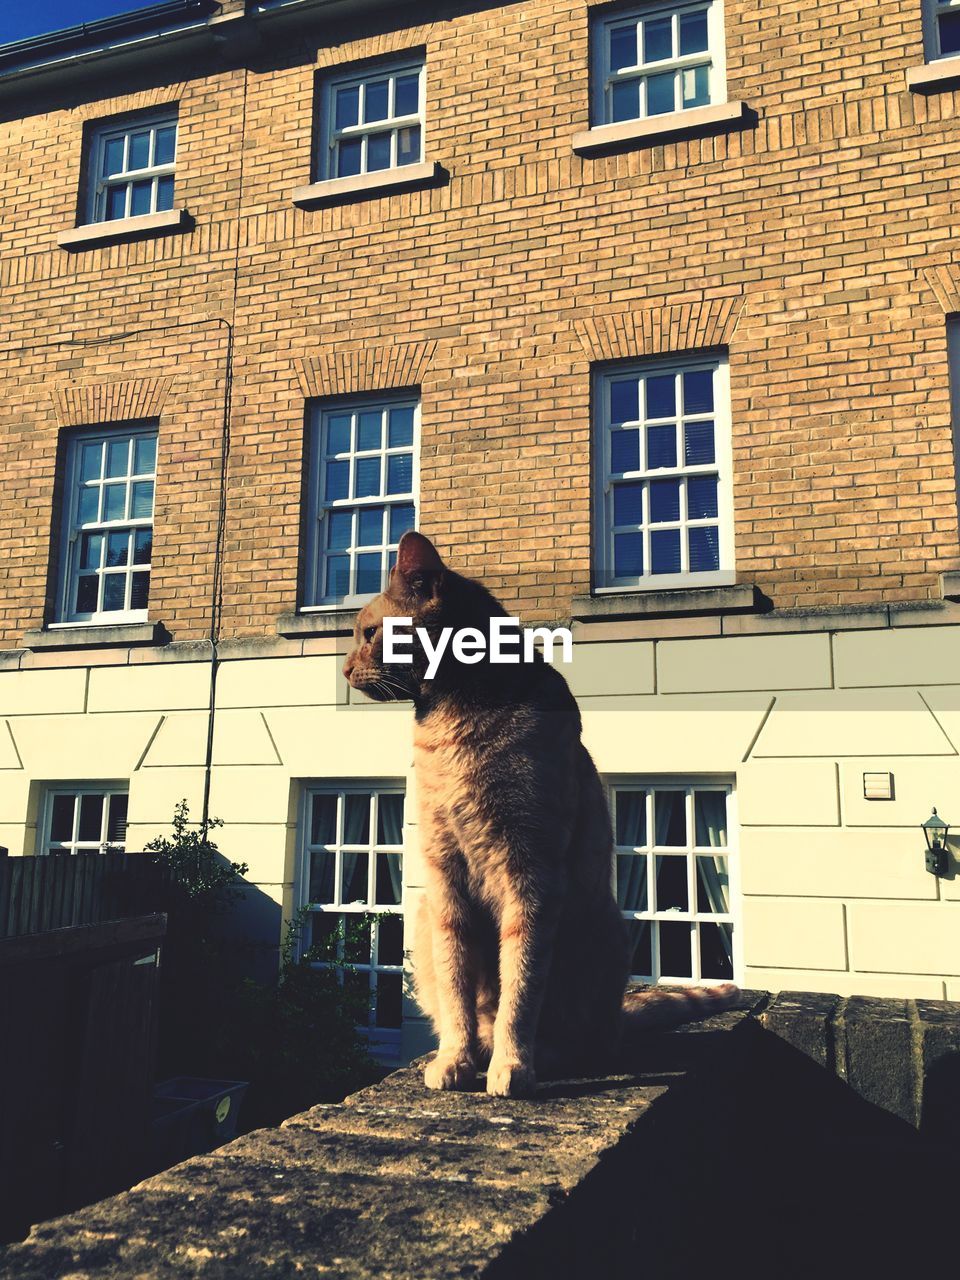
935, 830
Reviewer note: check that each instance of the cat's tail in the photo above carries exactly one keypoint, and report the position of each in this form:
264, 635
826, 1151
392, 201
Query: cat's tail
662, 1007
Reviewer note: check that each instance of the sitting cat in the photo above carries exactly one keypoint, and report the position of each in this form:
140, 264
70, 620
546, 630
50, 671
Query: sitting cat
520, 953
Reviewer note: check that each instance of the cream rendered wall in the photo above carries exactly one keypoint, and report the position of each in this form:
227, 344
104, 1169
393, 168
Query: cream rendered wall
834, 894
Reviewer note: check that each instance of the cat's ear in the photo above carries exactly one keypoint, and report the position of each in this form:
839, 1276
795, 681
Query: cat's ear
418, 566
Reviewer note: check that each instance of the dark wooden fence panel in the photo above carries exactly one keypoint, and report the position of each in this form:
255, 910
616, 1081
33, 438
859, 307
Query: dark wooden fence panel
62, 891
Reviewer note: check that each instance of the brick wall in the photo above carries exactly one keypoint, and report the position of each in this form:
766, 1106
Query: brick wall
814, 243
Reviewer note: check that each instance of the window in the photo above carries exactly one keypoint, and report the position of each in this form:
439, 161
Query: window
81, 819
362, 496
942, 20
108, 521
372, 121
672, 879
657, 59
351, 883
131, 168
664, 514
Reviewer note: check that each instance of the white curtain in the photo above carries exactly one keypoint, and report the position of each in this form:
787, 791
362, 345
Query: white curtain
390, 831
711, 829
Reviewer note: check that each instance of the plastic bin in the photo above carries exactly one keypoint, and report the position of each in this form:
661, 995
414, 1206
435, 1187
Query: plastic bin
192, 1115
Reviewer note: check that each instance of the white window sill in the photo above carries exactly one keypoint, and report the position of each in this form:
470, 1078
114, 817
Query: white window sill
147, 224
609, 137
364, 185
721, 597
933, 76
331, 620
92, 635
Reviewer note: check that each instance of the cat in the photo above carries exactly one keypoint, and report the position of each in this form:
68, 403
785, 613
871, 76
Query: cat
520, 953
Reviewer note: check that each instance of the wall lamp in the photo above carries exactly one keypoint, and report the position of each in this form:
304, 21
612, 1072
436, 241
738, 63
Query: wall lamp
935, 830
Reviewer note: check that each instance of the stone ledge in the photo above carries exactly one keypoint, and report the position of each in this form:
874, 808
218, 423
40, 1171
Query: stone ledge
110, 636
94, 234
364, 185
933, 76
326, 622
654, 129
735, 598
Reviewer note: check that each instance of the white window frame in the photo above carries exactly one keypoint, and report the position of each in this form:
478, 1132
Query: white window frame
603, 78
98, 186
72, 531
106, 789
692, 917
318, 507
383, 1039
722, 467
330, 136
931, 27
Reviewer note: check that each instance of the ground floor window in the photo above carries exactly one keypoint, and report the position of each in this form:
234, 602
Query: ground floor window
672, 865
352, 888
79, 818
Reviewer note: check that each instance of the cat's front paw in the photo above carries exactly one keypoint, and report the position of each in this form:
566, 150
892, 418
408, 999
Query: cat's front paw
450, 1071
510, 1080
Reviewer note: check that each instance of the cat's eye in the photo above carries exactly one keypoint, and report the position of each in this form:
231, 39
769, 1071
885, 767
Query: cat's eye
369, 633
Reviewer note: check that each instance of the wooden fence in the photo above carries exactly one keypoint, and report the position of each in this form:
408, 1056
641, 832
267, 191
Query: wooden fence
63, 891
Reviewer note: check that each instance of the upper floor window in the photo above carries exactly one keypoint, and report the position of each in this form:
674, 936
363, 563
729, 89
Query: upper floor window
658, 58
131, 167
108, 525
84, 819
664, 514
372, 120
362, 496
942, 21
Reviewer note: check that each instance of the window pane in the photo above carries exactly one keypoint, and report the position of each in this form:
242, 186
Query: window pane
338, 433
369, 574
693, 32
625, 451
325, 929
632, 881
114, 502
631, 817
657, 39
670, 818
139, 590
698, 391
388, 879
112, 157
389, 1006
165, 193
376, 100
401, 428
91, 818
661, 392
118, 457
165, 145
638, 932
407, 95
141, 200
91, 456
665, 551
370, 527
117, 819
628, 555
145, 455
702, 497
696, 86
322, 871
139, 153
323, 819
347, 111
116, 202
339, 529
713, 886
402, 518
390, 948
716, 951
408, 145
141, 504
356, 943
390, 819
378, 151
369, 430
623, 47
356, 819
628, 504
675, 939
337, 481
114, 592
400, 473
61, 820
661, 93
672, 884
142, 546
698, 443
366, 478
87, 586
338, 577
91, 549
89, 506
949, 34
664, 501
349, 155
353, 878
625, 100
625, 400
118, 549
704, 549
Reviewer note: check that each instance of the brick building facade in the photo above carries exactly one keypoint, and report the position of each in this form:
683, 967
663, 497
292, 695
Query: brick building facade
530, 256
